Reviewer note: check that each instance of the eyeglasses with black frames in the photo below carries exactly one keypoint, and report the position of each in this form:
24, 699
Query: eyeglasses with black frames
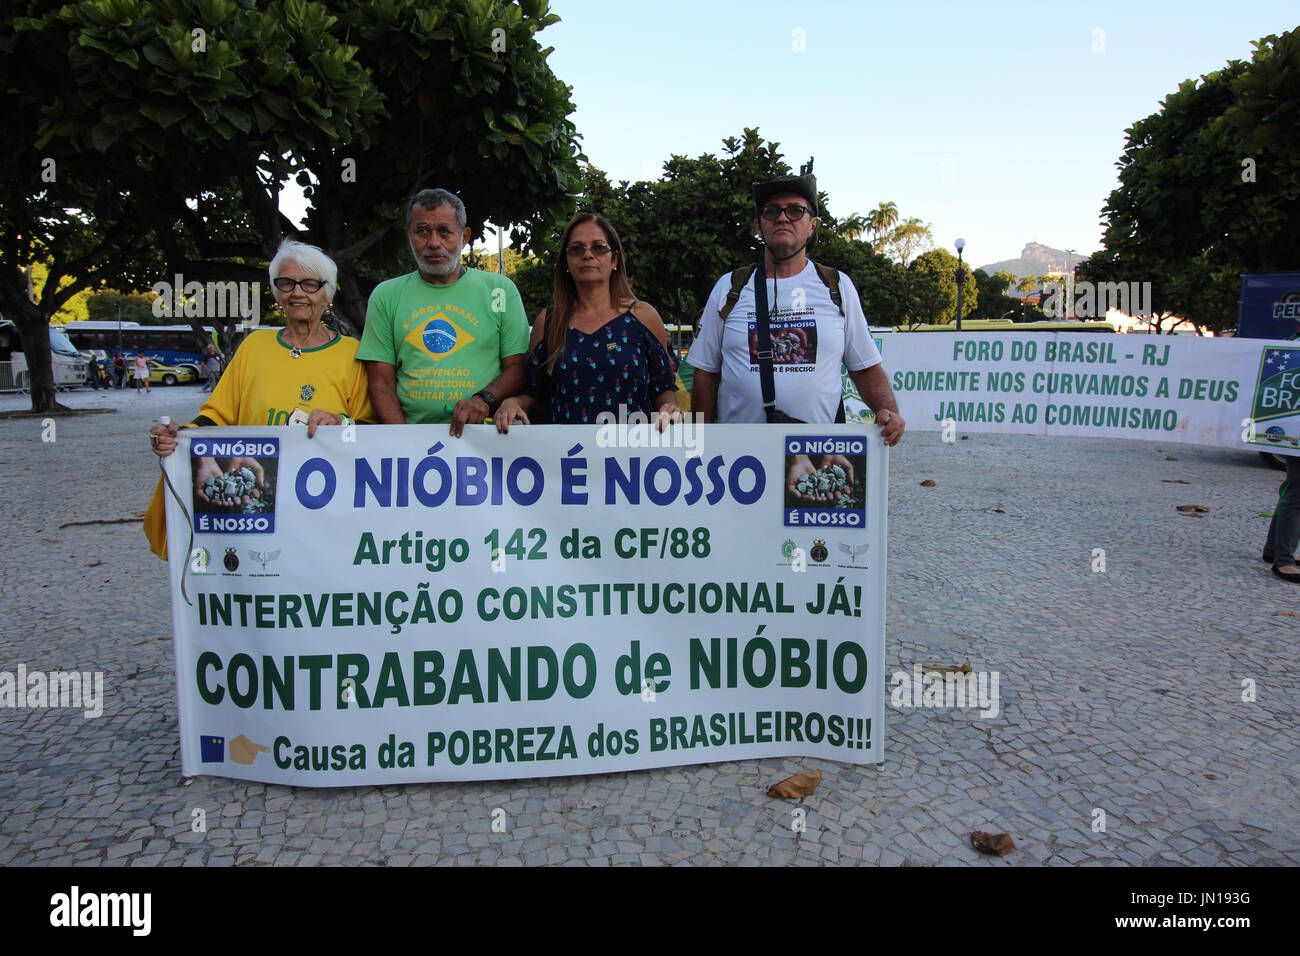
285, 284
794, 212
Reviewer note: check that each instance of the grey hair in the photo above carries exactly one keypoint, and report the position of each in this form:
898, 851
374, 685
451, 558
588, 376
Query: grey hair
310, 259
432, 199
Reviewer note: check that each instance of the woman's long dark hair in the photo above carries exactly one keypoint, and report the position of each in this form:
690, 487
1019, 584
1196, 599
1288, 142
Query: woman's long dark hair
565, 297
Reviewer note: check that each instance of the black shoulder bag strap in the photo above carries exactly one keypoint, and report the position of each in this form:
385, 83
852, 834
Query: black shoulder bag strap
764, 335
766, 379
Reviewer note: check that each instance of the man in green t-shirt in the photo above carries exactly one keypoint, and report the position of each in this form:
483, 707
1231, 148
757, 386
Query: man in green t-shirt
445, 343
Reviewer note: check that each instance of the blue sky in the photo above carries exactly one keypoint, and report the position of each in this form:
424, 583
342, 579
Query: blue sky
997, 122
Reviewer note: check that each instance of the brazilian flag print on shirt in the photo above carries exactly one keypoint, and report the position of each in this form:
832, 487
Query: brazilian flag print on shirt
446, 342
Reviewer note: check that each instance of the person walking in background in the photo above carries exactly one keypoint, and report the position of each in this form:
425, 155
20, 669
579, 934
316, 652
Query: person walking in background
211, 369
141, 373
119, 370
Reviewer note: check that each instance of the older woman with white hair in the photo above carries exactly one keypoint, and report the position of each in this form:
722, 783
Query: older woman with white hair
303, 374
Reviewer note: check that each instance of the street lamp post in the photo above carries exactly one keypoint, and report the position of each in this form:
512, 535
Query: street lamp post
960, 244
1069, 282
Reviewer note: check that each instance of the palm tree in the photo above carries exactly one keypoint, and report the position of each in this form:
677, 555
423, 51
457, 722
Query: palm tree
853, 226
883, 218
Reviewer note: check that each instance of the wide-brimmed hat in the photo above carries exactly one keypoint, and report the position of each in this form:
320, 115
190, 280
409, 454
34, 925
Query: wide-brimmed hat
803, 186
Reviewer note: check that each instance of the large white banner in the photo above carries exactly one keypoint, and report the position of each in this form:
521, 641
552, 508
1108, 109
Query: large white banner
1234, 393
389, 604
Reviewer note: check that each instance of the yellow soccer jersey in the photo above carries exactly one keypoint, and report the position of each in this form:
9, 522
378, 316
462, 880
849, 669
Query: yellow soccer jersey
265, 384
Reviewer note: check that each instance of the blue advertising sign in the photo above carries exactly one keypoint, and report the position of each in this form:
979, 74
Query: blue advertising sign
1270, 306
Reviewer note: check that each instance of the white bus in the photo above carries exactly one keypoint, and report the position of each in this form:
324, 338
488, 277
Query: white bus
174, 345
69, 366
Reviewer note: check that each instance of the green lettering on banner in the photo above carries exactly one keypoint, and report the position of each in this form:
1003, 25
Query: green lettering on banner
530, 672
1277, 396
278, 682
464, 680
391, 685
315, 665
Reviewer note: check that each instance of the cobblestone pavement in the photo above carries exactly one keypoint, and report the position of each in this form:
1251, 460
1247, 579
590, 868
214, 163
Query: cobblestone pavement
1121, 691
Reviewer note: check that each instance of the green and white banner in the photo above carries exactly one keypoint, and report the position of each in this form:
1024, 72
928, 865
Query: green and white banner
1233, 393
389, 604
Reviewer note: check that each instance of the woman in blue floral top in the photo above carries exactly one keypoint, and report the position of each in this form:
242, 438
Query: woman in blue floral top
597, 348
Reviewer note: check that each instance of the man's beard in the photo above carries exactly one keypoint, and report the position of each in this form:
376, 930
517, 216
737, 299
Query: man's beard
427, 269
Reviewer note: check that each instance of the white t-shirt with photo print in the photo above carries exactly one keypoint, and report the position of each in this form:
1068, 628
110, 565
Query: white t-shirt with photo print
810, 341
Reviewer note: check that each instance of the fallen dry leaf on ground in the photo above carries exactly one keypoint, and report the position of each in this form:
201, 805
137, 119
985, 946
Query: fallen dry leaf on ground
998, 843
948, 668
1200, 508
1175, 481
928, 483
800, 785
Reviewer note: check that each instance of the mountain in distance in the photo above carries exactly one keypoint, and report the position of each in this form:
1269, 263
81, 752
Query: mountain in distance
1036, 259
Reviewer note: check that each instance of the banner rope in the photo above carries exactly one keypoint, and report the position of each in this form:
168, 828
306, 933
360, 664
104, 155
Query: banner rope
188, 520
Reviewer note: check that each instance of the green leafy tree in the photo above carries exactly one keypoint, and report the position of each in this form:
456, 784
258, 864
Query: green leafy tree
174, 125
684, 230
135, 307
993, 302
907, 239
939, 304
880, 283
1210, 188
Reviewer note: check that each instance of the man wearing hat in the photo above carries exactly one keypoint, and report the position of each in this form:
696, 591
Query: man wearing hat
815, 324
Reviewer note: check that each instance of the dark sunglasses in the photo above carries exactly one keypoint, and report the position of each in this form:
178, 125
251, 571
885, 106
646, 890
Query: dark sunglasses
793, 213
285, 284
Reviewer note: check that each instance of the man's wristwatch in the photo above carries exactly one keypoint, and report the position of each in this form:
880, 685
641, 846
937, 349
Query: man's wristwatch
489, 400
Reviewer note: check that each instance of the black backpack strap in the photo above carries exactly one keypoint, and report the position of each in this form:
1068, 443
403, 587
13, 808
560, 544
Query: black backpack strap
739, 279
831, 279
765, 377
